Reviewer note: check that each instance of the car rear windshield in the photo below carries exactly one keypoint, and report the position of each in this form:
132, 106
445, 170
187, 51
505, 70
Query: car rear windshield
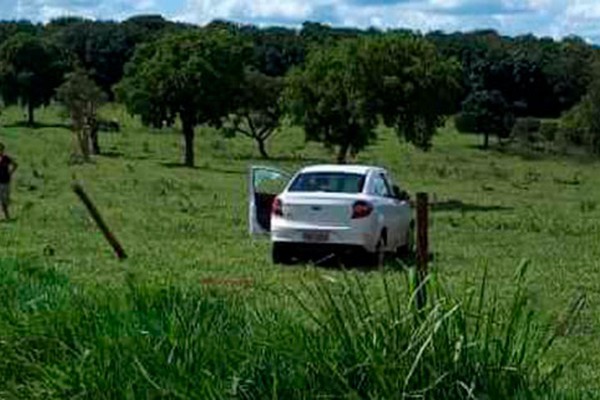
330, 182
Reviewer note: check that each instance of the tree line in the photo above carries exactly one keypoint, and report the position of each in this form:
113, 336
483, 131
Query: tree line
338, 83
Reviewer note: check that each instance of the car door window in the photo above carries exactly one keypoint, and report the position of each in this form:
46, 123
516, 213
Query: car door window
381, 187
265, 184
269, 181
392, 188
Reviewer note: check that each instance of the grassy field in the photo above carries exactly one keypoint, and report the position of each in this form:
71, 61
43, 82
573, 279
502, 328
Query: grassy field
183, 227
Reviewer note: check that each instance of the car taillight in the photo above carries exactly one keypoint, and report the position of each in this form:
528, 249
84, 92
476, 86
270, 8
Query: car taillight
361, 209
277, 207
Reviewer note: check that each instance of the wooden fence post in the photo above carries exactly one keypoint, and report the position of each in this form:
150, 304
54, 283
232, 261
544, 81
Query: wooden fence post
422, 247
108, 235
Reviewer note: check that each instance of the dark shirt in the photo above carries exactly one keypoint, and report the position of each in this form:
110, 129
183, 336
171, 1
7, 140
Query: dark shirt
5, 163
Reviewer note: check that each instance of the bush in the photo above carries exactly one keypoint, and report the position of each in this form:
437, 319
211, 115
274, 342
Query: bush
549, 130
528, 125
488, 113
581, 125
61, 341
109, 125
526, 133
572, 126
465, 123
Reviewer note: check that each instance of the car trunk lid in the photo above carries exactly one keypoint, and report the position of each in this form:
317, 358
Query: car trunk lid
328, 209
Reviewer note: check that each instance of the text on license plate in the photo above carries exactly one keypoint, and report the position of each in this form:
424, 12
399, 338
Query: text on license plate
315, 237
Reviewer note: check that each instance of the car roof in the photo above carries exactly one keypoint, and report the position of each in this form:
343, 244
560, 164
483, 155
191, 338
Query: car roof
348, 168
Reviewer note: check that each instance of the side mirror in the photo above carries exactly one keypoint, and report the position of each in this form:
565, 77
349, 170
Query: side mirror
401, 194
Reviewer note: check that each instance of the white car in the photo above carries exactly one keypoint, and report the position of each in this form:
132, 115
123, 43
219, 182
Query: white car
330, 209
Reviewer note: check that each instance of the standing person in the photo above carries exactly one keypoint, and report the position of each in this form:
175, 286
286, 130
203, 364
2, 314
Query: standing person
7, 169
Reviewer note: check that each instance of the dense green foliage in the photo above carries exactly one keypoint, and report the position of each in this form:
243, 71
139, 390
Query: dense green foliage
503, 78
506, 78
192, 76
276, 50
329, 97
581, 125
258, 108
103, 48
30, 71
82, 98
345, 88
537, 77
12, 28
412, 86
486, 112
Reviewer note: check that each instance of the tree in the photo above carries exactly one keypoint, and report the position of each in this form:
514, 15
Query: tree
537, 76
193, 76
104, 47
485, 112
329, 97
570, 72
411, 85
11, 28
82, 98
276, 50
581, 124
149, 27
258, 109
30, 71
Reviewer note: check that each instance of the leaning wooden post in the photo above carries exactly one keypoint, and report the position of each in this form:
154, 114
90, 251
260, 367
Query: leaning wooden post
112, 240
422, 247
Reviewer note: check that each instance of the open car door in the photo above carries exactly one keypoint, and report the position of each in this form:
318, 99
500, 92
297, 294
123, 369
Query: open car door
265, 183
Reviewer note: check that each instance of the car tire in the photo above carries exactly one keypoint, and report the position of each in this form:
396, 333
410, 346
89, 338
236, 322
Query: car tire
281, 254
406, 251
377, 258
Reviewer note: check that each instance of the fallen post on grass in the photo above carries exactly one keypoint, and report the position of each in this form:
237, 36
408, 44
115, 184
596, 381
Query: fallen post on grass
422, 247
110, 237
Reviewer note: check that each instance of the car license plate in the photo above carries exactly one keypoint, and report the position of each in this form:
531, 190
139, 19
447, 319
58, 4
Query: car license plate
315, 237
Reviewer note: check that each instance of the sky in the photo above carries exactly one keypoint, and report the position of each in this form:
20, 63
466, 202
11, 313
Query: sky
554, 18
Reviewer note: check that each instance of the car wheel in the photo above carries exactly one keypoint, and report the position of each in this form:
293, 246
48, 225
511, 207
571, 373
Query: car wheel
377, 258
281, 254
407, 250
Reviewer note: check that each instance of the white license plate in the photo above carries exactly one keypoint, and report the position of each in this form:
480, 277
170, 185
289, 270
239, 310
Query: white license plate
315, 237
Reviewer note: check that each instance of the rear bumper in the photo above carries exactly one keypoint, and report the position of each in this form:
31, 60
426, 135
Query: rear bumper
337, 237
321, 252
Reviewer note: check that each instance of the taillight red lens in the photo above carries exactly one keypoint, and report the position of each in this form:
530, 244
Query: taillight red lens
361, 209
277, 207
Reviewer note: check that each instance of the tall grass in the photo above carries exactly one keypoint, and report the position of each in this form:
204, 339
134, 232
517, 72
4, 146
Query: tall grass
58, 340
452, 348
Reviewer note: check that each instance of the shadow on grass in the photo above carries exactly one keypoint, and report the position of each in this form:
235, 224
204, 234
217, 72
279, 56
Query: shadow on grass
173, 165
573, 153
283, 159
112, 154
37, 125
176, 165
314, 160
457, 205
358, 263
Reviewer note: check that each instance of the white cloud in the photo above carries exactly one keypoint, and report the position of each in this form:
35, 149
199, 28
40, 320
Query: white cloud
415, 14
554, 18
583, 9
202, 11
44, 10
390, 16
